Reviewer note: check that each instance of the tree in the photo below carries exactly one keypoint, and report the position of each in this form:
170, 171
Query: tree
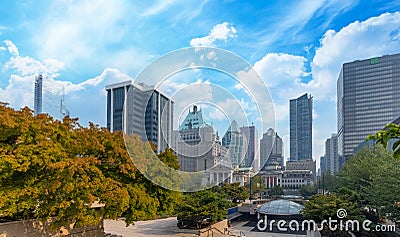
391, 131
276, 191
202, 208
373, 173
256, 185
234, 191
307, 190
58, 169
322, 207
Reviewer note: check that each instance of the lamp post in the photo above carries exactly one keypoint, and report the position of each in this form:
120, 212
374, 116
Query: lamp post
250, 186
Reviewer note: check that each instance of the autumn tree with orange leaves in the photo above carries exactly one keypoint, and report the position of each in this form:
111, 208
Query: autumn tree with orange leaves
58, 169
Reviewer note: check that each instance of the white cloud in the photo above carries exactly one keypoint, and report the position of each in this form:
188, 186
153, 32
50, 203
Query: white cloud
12, 49
82, 98
79, 32
220, 32
279, 68
158, 7
373, 37
216, 114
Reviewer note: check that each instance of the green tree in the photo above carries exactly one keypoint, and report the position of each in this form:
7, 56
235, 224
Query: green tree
322, 207
307, 190
391, 131
234, 191
202, 208
276, 191
256, 185
373, 173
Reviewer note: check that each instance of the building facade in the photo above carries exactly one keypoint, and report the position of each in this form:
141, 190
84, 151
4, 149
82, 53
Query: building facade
301, 128
309, 165
331, 157
198, 149
38, 95
271, 149
140, 109
252, 158
292, 179
368, 97
235, 142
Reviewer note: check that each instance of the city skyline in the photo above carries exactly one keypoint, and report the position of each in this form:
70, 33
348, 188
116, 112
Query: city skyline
297, 47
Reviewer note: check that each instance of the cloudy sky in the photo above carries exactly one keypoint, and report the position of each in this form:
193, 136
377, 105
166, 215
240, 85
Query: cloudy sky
295, 46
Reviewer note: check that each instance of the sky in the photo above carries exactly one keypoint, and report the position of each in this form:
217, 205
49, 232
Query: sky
296, 47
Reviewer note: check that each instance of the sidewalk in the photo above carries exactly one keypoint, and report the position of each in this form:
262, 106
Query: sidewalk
152, 228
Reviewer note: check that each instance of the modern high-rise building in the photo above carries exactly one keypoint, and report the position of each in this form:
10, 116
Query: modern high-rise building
252, 158
37, 98
235, 142
368, 97
331, 157
301, 128
271, 149
140, 109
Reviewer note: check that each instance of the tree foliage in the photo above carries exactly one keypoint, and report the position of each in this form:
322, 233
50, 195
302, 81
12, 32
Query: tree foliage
202, 208
276, 191
373, 173
383, 137
234, 191
51, 168
322, 207
307, 190
256, 185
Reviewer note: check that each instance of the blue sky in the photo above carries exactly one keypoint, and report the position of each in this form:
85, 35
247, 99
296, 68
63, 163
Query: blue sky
295, 46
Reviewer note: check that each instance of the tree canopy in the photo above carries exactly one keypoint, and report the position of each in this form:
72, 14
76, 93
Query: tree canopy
51, 168
383, 137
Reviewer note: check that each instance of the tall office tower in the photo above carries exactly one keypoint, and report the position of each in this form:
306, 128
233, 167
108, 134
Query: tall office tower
197, 146
368, 94
271, 149
331, 155
140, 109
301, 128
234, 141
37, 99
252, 158
322, 165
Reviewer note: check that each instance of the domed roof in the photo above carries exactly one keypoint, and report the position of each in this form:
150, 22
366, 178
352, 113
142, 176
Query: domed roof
280, 207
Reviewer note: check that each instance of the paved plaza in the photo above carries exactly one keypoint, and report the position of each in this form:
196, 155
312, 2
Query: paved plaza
167, 227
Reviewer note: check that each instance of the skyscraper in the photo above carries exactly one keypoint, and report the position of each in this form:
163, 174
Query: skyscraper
331, 157
252, 158
234, 141
301, 128
368, 94
271, 148
140, 109
37, 98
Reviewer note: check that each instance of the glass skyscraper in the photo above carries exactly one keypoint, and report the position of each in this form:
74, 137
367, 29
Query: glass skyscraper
301, 128
37, 99
142, 110
368, 97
